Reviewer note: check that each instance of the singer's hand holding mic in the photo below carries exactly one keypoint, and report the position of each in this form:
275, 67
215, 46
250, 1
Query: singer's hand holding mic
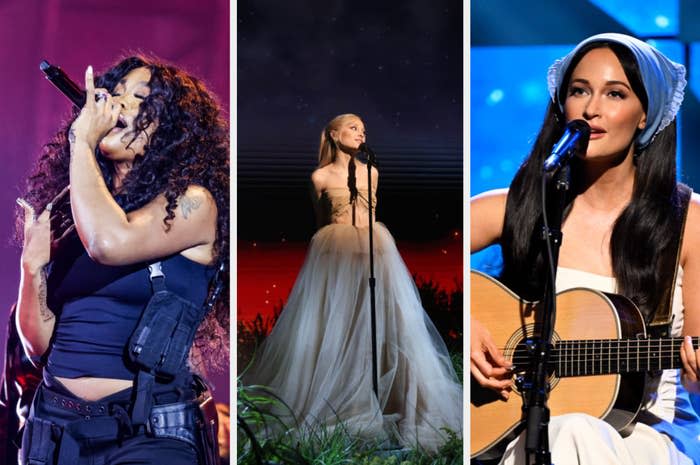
97, 117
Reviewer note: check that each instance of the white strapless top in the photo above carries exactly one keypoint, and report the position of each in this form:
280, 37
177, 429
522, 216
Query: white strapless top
661, 391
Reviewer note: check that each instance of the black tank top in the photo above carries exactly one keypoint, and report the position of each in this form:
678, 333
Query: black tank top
98, 306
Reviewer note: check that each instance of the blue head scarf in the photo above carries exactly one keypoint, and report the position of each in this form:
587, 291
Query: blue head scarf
663, 79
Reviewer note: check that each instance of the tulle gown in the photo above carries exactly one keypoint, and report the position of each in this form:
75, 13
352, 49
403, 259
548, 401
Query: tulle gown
318, 357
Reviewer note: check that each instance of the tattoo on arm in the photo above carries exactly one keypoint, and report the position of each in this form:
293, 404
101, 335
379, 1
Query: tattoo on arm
189, 204
44, 311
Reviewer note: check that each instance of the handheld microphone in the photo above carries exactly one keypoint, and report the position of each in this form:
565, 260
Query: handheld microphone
63, 83
575, 139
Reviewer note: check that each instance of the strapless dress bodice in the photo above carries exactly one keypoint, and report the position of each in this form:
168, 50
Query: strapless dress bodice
337, 207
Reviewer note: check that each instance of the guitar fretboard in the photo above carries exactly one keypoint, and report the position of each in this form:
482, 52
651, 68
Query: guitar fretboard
607, 356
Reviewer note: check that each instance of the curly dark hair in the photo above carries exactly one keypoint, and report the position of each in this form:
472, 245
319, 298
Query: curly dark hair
190, 146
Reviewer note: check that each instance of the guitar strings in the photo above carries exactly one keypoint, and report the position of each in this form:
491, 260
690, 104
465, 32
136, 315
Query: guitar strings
591, 355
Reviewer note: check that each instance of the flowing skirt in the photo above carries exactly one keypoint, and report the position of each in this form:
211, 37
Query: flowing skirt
579, 439
318, 358
667, 432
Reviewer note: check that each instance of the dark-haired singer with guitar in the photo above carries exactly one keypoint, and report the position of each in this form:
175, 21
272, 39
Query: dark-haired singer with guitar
629, 229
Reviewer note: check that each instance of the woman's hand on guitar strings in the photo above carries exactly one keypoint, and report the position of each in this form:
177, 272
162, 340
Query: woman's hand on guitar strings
691, 372
488, 365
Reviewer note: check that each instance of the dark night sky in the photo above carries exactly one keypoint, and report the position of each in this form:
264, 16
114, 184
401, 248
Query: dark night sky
396, 64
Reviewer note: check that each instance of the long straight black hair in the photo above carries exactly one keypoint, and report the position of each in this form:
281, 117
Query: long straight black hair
644, 238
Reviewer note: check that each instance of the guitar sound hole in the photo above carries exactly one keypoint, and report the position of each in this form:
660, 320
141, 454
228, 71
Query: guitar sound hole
523, 359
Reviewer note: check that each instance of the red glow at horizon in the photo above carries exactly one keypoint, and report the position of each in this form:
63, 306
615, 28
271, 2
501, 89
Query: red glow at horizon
266, 270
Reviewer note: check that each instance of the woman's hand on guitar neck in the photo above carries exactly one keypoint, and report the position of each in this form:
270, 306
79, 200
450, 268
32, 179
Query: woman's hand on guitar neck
488, 366
691, 366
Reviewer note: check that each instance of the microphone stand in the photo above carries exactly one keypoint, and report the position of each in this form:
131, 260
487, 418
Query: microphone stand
372, 161
537, 389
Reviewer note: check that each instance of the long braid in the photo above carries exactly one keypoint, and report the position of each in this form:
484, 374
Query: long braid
352, 185
352, 180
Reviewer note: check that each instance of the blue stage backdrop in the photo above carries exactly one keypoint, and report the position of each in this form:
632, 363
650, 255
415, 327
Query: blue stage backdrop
512, 47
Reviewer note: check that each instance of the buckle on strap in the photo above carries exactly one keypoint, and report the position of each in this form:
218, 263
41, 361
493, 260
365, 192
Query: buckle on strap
156, 276
156, 270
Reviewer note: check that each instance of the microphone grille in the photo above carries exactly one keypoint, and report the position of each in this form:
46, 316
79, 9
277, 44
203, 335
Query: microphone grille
579, 125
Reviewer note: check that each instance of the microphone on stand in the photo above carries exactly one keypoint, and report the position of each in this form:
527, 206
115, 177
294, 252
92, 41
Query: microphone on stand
64, 84
371, 157
575, 139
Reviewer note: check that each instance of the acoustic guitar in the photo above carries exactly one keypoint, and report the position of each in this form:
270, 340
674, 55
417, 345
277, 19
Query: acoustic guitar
599, 356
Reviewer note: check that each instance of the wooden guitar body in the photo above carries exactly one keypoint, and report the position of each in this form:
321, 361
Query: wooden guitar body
582, 314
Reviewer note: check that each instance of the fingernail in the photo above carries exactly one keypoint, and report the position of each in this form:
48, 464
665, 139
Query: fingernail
21, 202
89, 69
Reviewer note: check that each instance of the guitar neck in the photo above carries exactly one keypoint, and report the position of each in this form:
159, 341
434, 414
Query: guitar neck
608, 356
